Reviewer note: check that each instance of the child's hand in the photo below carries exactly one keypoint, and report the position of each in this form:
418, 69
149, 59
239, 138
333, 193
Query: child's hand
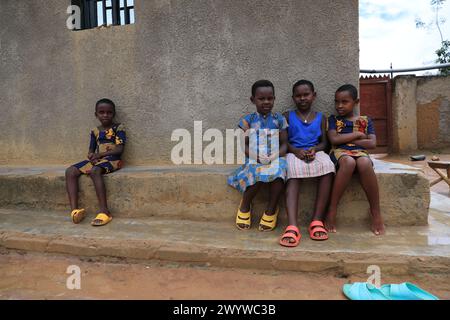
362, 135
274, 156
263, 159
310, 154
95, 157
301, 154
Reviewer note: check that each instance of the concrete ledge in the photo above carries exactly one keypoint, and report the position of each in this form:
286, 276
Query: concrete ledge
403, 250
201, 193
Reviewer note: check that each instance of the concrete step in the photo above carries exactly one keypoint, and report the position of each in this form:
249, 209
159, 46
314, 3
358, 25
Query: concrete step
403, 250
200, 193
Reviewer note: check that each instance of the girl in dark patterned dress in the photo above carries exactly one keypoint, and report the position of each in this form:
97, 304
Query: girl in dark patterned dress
351, 137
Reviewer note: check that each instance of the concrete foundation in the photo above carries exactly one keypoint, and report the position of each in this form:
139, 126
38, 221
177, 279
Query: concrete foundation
402, 251
186, 214
200, 193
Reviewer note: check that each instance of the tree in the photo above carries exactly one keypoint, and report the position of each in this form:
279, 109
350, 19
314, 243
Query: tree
443, 53
444, 57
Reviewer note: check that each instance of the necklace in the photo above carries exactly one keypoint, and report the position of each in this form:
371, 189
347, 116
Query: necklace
305, 120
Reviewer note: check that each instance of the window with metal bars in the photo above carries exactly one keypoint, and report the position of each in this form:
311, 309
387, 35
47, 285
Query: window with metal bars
96, 13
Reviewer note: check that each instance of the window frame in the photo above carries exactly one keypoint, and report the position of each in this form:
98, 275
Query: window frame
89, 13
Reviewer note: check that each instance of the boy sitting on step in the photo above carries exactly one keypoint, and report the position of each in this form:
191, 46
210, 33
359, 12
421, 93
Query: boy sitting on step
104, 156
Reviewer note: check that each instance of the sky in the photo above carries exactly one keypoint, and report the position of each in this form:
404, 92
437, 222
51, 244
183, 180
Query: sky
388, 33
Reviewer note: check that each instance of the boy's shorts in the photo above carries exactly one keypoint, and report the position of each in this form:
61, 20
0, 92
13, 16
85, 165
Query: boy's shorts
337, 154
110, 166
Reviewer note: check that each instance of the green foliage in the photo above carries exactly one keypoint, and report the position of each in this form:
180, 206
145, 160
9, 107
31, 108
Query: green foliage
443, 54
438, 3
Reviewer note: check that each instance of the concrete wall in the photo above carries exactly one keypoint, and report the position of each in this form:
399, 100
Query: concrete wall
404, 114
433, 112
182, 61
421, 113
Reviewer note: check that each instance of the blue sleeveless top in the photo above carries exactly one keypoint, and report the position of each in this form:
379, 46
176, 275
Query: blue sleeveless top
304, 135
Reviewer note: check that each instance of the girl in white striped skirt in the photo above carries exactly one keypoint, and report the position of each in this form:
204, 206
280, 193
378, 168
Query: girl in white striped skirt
306, 158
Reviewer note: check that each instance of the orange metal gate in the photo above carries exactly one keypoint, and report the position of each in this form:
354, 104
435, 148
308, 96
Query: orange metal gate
376, 102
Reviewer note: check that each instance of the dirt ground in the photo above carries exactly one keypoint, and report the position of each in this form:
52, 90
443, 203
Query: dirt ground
444, 155
27, 275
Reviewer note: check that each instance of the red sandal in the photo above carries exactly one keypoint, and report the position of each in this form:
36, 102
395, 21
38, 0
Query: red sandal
291, 235
317, 226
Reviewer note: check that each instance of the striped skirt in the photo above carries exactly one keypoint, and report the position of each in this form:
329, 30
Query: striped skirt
297, 168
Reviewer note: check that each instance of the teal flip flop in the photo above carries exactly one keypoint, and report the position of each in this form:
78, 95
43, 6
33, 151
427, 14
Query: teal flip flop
363, 291
406, 291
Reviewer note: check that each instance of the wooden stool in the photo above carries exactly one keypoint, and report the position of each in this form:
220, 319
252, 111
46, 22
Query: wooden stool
435, 165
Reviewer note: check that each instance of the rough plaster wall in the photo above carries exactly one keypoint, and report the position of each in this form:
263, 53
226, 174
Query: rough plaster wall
433, 107
404, 112
182, 61
427, 124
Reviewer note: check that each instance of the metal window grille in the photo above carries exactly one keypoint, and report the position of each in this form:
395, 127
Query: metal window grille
115, 12
105, 12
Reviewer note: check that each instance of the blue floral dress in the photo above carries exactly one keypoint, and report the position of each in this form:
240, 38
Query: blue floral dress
263, 131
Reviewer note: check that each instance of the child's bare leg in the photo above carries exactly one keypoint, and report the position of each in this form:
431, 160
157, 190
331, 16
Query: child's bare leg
292, 190
343, 176
99, 184
276, 188
322, 197
248, 196
247, 199
370, 185
72, 175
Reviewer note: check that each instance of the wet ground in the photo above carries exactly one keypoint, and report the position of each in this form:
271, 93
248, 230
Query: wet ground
443, 155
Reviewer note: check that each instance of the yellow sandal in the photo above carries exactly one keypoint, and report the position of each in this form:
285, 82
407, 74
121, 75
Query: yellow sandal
103, 217
77, 215
268, 221
243, 218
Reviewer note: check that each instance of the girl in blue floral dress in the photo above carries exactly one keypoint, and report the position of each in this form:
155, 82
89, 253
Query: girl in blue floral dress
265, 148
